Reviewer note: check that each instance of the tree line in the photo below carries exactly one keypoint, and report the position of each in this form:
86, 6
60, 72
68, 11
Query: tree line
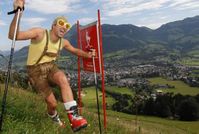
168, 105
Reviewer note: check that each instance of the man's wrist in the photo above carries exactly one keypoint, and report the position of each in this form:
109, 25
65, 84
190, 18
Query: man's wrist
89, 54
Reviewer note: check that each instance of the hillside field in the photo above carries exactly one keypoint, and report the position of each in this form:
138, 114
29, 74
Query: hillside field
180, 87
26, 114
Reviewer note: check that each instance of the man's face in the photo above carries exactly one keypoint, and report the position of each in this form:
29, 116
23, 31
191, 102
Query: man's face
61, 27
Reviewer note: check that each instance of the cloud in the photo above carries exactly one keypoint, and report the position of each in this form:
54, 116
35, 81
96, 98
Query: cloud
151, 21
185, 5
2, 23
119, 7
176, 3
122, 7
94, 1
33, 22
153, 25
51, 6
86, 20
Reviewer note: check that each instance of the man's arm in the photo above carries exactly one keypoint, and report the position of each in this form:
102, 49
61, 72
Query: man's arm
33, 33
12, 26
76, 51
16, 4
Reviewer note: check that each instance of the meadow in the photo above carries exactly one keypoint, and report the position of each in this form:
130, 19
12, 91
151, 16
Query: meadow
26, 114
180, 87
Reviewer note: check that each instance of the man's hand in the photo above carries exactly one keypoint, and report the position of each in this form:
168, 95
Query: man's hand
92, 53
18, 3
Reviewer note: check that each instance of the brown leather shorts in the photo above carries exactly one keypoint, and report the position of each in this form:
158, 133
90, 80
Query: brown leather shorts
41, 77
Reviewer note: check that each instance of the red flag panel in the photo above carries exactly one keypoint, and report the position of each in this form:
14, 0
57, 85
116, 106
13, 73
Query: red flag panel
89, 36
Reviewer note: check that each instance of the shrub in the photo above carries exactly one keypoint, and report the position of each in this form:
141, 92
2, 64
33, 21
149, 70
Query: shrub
189, 110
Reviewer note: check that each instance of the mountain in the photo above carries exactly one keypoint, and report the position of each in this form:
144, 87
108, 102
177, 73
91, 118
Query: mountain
3, 59
4, 53
180, 37
118, 37
20, 56
180, 34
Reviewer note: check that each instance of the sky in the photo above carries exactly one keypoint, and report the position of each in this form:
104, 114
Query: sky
41, 13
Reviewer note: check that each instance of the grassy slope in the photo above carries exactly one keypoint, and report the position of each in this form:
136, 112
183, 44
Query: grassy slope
180, 87
122, 90
193, 59
147, 124
26, 114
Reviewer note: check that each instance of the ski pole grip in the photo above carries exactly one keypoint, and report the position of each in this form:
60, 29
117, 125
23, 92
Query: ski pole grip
16, 10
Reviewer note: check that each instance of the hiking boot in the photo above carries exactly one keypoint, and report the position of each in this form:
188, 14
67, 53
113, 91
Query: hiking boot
77, 122
55, 118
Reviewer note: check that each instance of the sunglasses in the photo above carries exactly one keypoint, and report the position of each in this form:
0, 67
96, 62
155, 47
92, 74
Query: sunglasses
61, 22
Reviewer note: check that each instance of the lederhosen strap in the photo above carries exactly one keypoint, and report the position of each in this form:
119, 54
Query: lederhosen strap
46, 48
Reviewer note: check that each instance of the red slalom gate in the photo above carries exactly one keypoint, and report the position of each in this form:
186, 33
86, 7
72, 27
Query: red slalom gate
90, 37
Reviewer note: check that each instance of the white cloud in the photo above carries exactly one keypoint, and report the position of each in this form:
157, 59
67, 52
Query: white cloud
51, 6
154, 25
94, 1
122, 7
33, 22
86, 20
188, 5
119, 7
2, 23
176, 3
153, 22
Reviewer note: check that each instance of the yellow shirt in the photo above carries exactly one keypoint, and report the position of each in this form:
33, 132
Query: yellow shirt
36, 49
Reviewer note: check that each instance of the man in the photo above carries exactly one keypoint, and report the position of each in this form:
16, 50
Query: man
43, 51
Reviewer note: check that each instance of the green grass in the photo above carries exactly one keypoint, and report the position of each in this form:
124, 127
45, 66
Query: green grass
180, 87
121, 54
122, 90
89, 98
147, 124
190, 61
90, 93
194, 53
156, 125
195, 73
26, 114
117, 53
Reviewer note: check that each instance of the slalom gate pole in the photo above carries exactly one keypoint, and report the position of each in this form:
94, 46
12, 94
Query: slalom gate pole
98, 110
79, 71
9, 66
102, 71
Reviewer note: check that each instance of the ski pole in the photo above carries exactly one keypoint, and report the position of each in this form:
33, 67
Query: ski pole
97, 94
9, 66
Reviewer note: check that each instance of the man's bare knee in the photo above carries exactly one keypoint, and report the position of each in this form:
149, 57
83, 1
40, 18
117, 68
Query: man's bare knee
60, 78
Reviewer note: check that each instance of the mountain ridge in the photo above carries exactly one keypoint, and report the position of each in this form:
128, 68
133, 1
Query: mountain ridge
180, 36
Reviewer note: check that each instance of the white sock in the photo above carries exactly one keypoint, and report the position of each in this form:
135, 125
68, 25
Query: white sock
52, 116
68, 105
